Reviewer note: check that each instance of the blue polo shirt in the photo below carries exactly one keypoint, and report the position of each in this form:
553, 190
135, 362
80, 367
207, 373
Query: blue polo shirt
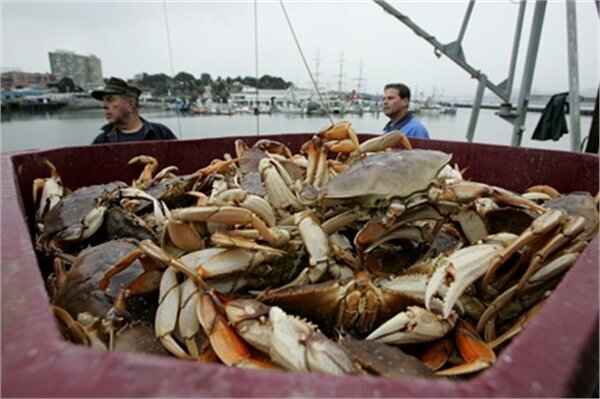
409, 125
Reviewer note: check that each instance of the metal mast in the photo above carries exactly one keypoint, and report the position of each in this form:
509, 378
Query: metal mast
503, 89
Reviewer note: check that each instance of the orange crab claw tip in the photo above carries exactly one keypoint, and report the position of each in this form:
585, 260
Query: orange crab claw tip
227, 344
465, 368
256, 364
471, 346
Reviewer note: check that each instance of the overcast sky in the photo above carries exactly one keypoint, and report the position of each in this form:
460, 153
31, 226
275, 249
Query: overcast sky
219, 38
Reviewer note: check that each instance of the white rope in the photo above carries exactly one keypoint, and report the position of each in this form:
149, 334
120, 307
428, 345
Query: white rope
257, 110
171, 58
306, 64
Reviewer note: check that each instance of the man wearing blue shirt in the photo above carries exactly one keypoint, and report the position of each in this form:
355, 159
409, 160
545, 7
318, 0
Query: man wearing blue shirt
396, 98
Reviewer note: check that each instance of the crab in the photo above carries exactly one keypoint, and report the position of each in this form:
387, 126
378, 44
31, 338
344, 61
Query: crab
568, 223
290, 341
355, 305
125, 300
164, 186
76, 216
404, 186
177, 300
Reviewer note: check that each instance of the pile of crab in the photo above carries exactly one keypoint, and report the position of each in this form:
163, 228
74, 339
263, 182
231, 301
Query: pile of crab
346, 257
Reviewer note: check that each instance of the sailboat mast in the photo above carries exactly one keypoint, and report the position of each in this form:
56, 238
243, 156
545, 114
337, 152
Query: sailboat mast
341, 74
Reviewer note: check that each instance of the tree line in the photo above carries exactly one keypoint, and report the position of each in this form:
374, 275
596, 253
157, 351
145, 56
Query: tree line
184, 84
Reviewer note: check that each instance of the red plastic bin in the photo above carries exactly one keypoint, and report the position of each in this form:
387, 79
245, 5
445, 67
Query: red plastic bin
556, 356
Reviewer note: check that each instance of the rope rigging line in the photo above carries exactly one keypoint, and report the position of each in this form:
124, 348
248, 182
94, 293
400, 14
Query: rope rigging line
305, 63
171, 59
257, 109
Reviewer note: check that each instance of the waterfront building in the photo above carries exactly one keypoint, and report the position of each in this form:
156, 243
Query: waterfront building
12, 80
86, 71
265, 99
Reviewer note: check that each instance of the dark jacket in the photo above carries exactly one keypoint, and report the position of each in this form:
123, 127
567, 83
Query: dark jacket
152, 131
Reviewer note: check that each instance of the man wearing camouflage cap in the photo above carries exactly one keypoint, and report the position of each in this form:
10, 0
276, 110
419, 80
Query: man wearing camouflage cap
120, 101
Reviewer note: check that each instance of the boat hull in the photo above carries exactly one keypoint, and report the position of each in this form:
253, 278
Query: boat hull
556, 356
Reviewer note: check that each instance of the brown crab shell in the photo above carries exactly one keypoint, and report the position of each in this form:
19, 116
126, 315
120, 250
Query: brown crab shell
385, 175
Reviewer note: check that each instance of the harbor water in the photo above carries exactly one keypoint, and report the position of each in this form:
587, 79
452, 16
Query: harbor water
63, 128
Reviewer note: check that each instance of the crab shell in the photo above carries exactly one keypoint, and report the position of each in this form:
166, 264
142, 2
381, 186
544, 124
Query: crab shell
77, 216
80, 291
386, 175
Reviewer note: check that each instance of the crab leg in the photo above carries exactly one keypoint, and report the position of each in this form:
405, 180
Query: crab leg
52, 190
214, 262
340, 137
318, 246
383, 142
229, 215
166, 314
73, 329
188, 323
146, 249
568, 232
280, 196
254, 203
544, 224
316, 170
519, 325
553, 269
147, 174
233, 241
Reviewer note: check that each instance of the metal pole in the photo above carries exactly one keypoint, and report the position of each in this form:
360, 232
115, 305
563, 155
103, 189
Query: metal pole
515, 52
451, 50
476, 107
574, 104
465, 23
532, 50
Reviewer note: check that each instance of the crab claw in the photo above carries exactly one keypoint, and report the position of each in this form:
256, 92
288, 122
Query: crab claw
463, 268
298, 346
226, 343
291, 342
412, 326
477, 354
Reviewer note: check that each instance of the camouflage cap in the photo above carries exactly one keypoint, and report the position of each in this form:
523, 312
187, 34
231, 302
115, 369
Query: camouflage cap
116, 86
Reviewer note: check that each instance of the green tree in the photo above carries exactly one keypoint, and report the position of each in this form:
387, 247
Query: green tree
205, 79
185, 84
66, 85
220, 90
158, 84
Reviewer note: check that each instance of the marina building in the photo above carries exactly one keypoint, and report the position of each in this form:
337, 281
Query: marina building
14, 79
86, 71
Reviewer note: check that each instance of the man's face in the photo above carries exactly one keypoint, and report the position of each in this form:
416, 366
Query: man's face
117, 108
393, 104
